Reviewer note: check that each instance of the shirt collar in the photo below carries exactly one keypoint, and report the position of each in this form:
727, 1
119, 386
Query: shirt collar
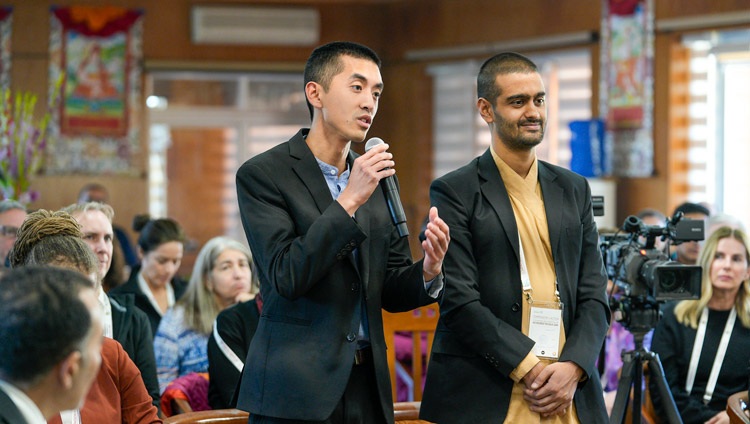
336, 183
106, 312
143, 285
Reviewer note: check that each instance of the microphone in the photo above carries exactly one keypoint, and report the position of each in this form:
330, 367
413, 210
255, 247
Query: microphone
392, 199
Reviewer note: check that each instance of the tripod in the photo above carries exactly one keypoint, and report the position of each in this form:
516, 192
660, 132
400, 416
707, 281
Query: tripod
632, 376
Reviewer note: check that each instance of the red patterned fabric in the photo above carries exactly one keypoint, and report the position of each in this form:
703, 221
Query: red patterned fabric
96, 21
192, 387
623, 7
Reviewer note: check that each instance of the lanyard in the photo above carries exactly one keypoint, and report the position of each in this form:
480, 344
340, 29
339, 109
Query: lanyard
525, 279
718, 360
228, 353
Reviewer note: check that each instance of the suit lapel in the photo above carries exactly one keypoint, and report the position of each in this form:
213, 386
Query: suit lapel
10, 412
309, 173
552, 194
493, 189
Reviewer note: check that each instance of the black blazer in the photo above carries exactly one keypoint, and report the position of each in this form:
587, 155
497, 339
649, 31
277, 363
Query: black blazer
311, 283
9, 413
478, 341
131, 327
141, 301
236, 326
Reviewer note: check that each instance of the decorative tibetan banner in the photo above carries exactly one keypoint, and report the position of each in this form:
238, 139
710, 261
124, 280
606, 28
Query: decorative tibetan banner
97, 49
627, 85
6, 21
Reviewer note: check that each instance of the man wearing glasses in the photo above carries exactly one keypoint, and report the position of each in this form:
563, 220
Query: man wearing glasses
12, 215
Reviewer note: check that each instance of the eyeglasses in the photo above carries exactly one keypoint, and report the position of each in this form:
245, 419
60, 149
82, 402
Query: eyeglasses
8, 231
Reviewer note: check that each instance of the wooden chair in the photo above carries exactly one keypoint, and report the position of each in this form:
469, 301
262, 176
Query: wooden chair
407, 413
419, 322
217, 416
737, 408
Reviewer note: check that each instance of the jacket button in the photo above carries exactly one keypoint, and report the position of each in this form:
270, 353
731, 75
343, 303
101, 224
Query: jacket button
355, 287
351, 337
515, 307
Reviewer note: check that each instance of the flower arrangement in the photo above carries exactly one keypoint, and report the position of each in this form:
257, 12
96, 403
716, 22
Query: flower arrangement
23, 141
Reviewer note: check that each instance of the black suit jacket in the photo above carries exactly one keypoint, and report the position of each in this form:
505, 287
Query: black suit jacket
478, 341
236, 326
9, 413
303, 242
131, 327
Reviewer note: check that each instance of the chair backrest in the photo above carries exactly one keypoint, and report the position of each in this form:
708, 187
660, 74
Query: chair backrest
407, 413
737, 413
217, 416
420, 323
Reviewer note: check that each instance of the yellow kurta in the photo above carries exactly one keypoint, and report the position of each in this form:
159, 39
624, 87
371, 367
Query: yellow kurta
528, 207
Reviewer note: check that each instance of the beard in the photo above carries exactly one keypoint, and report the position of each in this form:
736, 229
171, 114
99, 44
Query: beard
513, 135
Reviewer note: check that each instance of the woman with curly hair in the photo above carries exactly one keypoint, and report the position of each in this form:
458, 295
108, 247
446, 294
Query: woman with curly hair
118, 395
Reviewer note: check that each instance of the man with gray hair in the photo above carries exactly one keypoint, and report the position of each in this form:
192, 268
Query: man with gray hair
123, 321
12, 214
53, 319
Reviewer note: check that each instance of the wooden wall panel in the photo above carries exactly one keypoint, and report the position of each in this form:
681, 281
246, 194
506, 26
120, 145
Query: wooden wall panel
392, 27
195, 181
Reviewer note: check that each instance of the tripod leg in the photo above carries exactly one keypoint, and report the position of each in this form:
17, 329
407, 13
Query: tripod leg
623, 389
657, 372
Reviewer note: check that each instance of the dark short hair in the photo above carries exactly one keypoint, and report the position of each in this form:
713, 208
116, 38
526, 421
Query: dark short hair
155, 232
501, 64
43, 320
689, 207
324, 62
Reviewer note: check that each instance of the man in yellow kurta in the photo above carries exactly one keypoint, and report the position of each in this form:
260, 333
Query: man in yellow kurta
524, 311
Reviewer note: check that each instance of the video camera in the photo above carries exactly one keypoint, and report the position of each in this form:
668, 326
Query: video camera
645, 274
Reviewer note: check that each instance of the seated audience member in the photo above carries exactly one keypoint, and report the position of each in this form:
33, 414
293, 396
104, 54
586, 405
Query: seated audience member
118, 393
124, 321
687, 252
12, 214
653, 217
95, 192
155, 283
38, 380
221, 278
227, 347
704, 344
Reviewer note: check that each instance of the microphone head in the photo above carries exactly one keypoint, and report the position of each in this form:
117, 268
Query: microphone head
373, 142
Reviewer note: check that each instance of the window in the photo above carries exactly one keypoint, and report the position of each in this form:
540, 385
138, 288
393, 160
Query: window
203, 126
718, 129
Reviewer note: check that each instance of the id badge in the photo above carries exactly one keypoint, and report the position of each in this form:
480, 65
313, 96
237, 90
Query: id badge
545, 321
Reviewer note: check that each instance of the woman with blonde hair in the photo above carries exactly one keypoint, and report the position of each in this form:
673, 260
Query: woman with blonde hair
221, 277
704, 343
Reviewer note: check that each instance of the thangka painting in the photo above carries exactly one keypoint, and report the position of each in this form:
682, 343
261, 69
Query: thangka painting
97, 50
627, 85
6, 20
